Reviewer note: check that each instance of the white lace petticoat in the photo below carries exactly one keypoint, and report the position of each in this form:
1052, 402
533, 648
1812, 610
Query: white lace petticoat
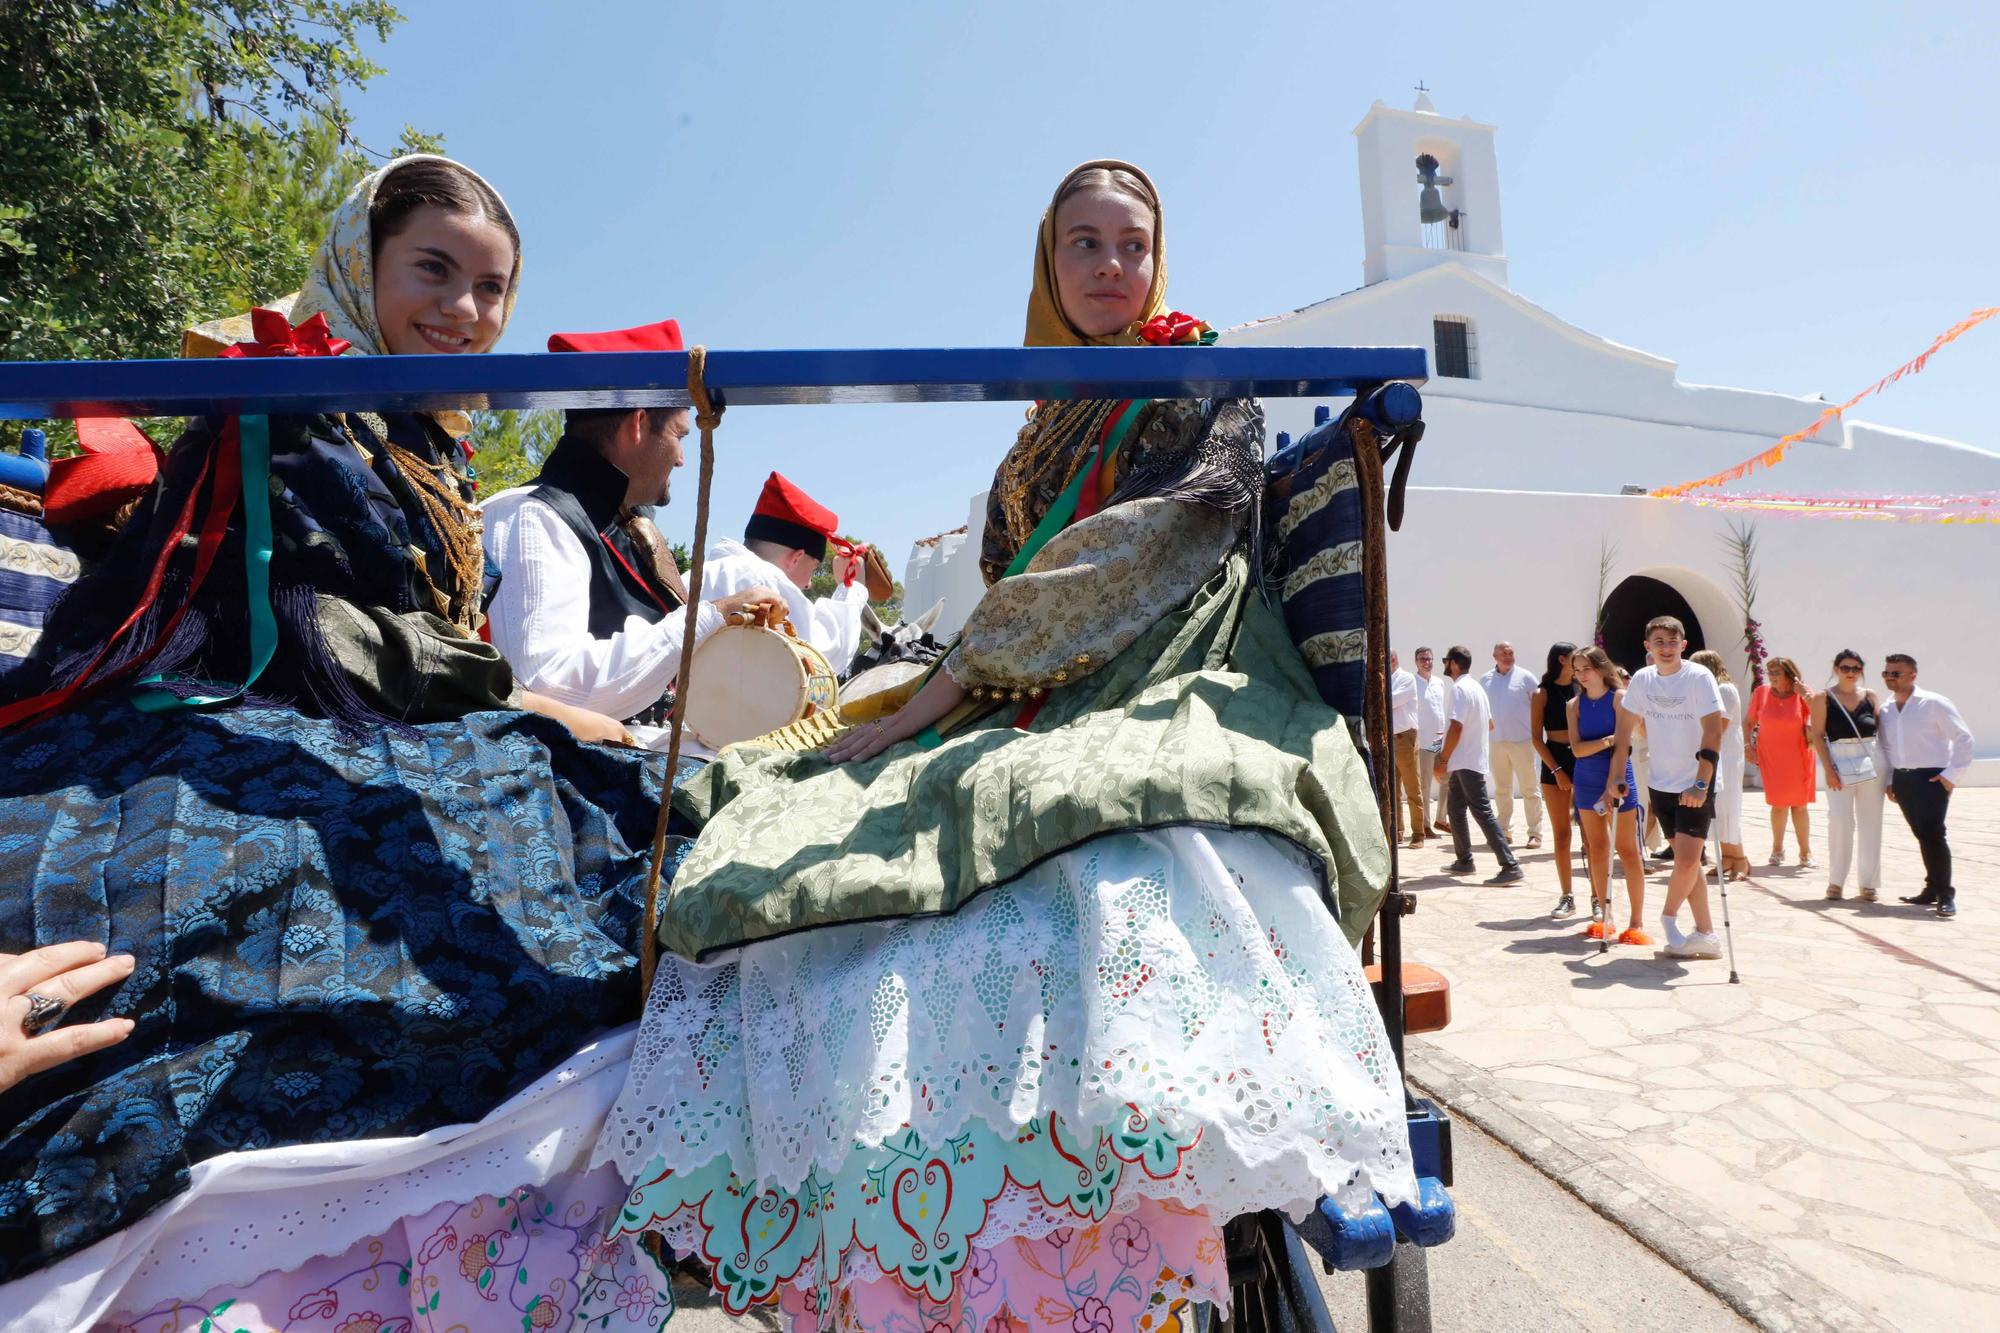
1169, 1014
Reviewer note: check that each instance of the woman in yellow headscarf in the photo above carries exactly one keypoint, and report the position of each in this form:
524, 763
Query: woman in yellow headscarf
1014, 1000
368, 898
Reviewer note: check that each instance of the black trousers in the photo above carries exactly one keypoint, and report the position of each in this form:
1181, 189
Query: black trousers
1923, 803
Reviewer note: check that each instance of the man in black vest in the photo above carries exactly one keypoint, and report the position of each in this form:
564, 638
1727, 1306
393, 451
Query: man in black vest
586, 583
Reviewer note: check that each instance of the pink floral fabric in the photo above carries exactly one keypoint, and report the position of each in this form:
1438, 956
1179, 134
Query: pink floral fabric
1142, 1272
533, 1260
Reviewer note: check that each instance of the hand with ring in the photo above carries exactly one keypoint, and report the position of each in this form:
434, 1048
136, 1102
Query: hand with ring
36, 990
865, 741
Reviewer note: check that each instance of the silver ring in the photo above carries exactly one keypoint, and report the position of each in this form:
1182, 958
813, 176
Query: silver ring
44, 1012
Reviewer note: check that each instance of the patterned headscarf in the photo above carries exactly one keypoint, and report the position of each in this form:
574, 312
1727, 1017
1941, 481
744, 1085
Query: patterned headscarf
340, 281
1048, 325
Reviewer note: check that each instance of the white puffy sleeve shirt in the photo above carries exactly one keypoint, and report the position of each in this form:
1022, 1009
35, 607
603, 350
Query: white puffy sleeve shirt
540, 617
832, 624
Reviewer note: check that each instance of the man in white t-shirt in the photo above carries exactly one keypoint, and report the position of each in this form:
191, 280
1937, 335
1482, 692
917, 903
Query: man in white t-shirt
1681, 705
1410, 775
1462, 763
1433, 715
1510, 691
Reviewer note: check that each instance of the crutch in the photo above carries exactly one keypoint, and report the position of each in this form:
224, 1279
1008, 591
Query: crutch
1722, 887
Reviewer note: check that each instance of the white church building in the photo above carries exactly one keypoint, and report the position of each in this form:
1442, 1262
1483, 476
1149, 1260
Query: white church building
1537, 434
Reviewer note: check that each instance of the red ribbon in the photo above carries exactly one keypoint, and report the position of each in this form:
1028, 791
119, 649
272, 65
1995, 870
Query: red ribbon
1172, 329
221, 471
275, 336
852, 551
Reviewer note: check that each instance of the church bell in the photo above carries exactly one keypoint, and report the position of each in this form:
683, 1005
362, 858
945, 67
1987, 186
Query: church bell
1430, 202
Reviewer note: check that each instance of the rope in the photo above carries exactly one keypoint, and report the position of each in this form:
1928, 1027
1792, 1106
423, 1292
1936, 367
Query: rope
1375, 584
707, 415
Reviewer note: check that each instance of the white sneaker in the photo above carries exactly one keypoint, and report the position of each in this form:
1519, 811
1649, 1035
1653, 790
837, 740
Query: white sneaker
1701, 944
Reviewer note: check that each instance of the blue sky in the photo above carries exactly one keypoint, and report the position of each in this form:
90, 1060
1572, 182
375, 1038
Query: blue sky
1780, 196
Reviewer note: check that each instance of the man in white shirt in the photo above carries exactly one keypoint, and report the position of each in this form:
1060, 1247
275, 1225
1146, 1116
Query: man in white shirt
585, 611
1510, 692
1928, 748
1681, 706
783, 544
1403, 722
1462, 762
1433, 715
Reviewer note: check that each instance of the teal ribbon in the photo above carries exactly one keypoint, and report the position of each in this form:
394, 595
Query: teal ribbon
253, 436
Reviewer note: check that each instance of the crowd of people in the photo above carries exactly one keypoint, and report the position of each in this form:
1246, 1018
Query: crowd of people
328, 801
1652, 766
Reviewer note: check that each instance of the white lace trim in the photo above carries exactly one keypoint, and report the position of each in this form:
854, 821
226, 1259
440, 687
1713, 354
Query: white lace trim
1187, 972
246, 1214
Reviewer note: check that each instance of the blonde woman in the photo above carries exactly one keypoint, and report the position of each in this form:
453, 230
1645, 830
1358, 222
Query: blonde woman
1593, 728
1776, 727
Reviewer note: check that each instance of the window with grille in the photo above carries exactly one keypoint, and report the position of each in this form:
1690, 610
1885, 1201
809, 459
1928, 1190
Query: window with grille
1457, 352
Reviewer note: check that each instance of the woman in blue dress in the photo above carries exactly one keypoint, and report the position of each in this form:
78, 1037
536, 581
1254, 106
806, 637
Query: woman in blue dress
1593, 728
370, 889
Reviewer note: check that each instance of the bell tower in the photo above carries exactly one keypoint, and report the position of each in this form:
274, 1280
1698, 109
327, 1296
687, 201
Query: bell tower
1430, 193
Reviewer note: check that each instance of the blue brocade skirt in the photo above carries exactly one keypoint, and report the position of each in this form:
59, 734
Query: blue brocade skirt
339, 935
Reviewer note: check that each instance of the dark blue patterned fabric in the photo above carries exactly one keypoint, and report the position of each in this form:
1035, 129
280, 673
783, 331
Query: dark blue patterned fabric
35, 568
1313, 527
337, 938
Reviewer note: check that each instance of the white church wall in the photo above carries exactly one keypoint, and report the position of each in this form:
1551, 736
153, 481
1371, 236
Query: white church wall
1475, 567
1557, 409
948, 570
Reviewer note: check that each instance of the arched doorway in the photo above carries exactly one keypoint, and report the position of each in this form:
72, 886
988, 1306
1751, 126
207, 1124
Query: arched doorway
1631, 604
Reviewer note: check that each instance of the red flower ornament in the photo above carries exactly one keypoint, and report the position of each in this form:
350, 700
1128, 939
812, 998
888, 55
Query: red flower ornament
1176, 329
275, 336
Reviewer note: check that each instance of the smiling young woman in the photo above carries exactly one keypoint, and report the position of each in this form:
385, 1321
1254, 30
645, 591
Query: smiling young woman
369, 897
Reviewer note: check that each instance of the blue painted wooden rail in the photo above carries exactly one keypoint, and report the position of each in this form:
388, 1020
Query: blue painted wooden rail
659, 379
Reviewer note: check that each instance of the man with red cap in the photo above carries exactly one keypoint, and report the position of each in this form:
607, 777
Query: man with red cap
783, 545
587, 608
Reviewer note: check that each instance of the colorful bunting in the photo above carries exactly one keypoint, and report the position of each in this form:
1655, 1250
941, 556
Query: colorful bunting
1777, 452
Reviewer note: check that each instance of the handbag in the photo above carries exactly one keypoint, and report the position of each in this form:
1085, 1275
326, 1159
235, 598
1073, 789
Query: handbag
1853, 756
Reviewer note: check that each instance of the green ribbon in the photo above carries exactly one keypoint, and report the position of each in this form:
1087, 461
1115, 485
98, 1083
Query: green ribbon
254, 444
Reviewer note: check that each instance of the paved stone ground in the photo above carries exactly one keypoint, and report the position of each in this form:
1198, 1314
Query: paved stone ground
1819, 1144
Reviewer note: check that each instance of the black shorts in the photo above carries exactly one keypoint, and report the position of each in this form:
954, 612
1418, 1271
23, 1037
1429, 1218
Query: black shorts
1676, 819
1565, 757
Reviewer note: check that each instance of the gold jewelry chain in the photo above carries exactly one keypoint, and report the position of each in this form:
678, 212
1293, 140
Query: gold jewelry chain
1042, 441
456, 522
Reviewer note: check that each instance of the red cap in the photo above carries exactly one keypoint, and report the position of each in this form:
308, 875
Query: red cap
117, 464
664, 336
787, 515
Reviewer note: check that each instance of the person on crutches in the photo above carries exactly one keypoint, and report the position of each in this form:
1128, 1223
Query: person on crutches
1681, 705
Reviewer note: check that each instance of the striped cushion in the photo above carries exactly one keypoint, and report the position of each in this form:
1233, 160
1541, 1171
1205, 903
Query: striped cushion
34, 570
1312, 527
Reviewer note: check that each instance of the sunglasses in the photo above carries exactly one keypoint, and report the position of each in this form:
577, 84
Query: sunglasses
1850, 669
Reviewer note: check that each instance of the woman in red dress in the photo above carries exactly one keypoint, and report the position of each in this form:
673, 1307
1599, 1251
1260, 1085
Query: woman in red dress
1776, 731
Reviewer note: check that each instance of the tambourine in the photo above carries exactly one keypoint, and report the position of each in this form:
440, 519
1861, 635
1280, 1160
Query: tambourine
746, 681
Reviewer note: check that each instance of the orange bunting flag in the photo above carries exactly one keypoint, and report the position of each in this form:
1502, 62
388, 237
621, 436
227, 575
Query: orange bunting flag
1776, 453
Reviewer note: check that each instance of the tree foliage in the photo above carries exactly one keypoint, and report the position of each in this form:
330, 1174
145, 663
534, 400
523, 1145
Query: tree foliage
163, 162
508, 448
